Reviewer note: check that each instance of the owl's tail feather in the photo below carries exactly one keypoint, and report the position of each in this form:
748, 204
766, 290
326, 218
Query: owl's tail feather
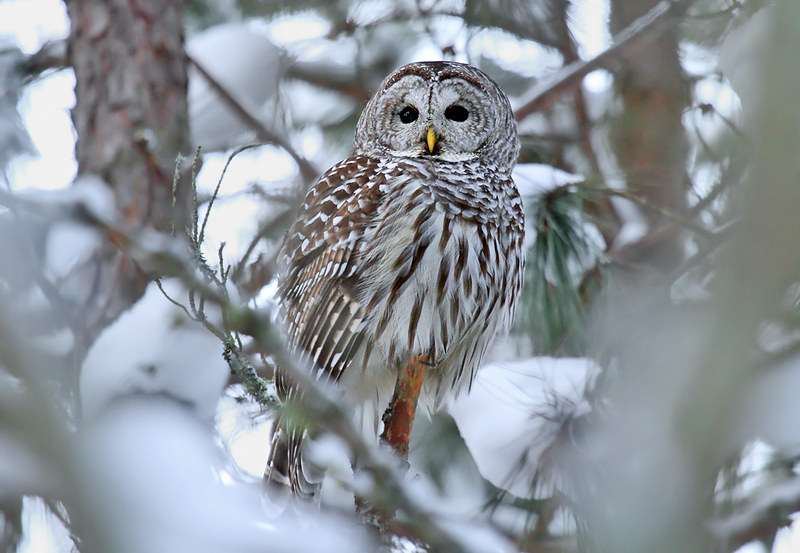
286, 475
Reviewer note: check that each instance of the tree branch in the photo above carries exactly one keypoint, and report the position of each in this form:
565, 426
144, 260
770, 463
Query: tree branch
399, 416
645, 28
308, 172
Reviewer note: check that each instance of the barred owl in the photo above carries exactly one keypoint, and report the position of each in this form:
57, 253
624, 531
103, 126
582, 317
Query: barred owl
411, 246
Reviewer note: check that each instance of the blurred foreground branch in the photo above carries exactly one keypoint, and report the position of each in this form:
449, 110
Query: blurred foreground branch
388, 490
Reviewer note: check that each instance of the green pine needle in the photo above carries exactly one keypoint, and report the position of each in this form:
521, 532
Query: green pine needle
553, 302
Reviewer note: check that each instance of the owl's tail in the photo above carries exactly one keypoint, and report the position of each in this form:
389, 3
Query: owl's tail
286, 475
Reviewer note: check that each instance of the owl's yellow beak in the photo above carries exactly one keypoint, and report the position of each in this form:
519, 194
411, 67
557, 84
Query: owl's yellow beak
431, 139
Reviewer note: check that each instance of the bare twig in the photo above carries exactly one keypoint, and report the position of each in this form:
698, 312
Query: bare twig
52, 56
677, 219
271, 227
200, 238
322, 76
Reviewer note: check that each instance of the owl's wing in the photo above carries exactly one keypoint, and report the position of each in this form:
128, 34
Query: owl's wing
319, 265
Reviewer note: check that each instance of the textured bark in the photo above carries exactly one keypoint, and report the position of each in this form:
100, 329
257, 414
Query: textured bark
648, 138
131, 119
600, 209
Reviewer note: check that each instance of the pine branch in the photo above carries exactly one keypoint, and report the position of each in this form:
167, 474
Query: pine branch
554, 304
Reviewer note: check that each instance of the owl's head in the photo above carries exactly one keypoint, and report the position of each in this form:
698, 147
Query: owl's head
442, 111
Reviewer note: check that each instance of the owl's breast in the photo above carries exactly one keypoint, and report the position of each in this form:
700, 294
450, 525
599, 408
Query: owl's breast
435, 281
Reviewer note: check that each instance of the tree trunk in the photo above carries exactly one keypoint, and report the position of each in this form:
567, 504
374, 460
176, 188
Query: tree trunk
131, 119
648, 138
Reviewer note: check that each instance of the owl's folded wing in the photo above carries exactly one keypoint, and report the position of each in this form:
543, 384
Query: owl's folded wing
319, 262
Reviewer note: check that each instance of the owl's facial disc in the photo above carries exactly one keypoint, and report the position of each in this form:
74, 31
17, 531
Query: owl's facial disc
444, 119
469, 116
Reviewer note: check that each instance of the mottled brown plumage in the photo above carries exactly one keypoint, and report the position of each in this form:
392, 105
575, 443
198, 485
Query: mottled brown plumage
410, 247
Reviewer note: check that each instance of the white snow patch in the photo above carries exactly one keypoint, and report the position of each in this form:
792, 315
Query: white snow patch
537, 178
331, 453
42, 530
155, 348
630, 233
247, 438
588, 22
514, 414
290, 29
152, 479
45, 108
247, 64
24, 20
68, 245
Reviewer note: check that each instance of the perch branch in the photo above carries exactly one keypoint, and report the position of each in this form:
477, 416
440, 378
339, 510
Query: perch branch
399, 416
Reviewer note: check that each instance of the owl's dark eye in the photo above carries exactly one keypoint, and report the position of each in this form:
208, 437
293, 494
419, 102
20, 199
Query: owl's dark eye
408, 115
456, 113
